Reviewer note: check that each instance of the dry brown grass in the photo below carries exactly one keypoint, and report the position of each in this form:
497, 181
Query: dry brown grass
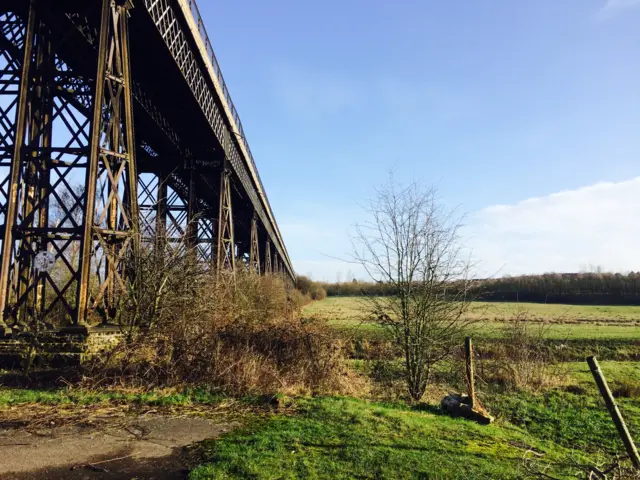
521, 361
626, 388
237, 334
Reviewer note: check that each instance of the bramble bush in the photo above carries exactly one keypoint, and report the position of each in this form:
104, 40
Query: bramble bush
241, 334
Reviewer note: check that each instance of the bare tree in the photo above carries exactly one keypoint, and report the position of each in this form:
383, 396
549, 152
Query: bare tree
412, 242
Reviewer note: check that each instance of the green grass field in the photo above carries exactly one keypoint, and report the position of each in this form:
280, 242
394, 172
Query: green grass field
356, 438
315, 437
348, 438
22, 396
341, 437
565, 321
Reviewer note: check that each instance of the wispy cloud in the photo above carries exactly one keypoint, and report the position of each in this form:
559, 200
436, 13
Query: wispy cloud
612, 7
562, 232
305, 91
308, 91
568, 231
620, 4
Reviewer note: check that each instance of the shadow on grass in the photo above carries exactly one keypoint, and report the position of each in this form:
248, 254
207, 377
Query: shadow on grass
50, 379
428, 408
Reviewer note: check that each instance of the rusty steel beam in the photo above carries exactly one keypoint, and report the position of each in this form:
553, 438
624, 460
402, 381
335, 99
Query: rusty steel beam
85, 89
254, 249
16, 168
168, 16
161, 209
112, 222
226, 239
268, 265
192, 220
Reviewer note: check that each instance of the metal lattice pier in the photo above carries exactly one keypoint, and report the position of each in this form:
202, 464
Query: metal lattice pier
115, 119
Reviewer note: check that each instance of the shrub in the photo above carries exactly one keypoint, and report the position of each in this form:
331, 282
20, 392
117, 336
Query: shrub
310, 288
304, 284
237, 334
522, 362
299, 299
318, 293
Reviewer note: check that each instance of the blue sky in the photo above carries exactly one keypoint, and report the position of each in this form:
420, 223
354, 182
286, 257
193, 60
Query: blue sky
526, 115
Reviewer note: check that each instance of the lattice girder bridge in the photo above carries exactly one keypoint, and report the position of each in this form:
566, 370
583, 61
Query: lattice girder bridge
116, 127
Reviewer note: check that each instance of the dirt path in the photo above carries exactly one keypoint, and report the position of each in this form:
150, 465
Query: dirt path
124, 446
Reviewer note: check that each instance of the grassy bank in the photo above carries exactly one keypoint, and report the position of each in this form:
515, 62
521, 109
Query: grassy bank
349, 438
335, 437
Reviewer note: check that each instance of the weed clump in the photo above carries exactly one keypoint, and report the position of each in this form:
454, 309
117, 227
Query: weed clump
239, 334
626, 388
522, 361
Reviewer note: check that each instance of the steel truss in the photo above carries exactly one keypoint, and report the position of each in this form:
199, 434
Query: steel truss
67, 127
12, 37
111, 182
226, 240
166, 18
268, 266
152, 195
61, 128
254, 249
169, 221
47, 141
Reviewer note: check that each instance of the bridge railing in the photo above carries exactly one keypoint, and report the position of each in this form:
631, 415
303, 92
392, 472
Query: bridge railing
216, 68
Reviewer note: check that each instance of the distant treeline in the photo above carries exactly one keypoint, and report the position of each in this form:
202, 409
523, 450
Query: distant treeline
357, 288
572, 288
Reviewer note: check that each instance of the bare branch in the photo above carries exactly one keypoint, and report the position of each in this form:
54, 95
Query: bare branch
410, 241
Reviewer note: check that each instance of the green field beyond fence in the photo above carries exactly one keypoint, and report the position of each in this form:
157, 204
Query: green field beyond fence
565, 321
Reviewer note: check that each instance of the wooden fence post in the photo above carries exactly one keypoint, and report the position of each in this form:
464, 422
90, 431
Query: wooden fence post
614, 411
468, 351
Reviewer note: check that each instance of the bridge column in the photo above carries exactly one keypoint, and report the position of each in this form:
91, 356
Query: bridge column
156, 206
41, 210
111, 214
9, 99
226, 251
274, 262
149, 200
35, 209
175, 220
243, 254
206, 241
161, 212
268, 265
254, 250
191, 234
20, 165
11, 55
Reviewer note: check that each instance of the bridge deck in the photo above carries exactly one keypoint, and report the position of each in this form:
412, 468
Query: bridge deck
165, 16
